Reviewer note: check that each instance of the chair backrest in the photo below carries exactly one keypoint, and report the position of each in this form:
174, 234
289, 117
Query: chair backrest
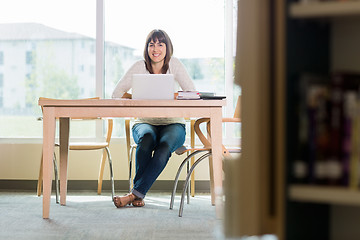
206, 140
237, 112
109, 129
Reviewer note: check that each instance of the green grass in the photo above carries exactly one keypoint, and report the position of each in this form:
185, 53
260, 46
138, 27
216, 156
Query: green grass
28, 126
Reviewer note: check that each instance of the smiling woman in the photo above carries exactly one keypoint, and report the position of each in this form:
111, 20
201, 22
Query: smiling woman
158, 51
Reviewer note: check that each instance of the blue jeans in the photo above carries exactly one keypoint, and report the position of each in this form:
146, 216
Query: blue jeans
155, 144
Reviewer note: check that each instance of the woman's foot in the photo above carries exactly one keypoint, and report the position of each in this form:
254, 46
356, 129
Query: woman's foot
138, 202
124, 200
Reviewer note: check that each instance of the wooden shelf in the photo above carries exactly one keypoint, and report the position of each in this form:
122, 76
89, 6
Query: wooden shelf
324, 194
324, 9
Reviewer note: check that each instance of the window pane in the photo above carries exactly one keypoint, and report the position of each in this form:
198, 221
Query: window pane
196, 28
46, 50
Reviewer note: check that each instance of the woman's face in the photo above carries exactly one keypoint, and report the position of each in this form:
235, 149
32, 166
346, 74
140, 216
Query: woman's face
156, 51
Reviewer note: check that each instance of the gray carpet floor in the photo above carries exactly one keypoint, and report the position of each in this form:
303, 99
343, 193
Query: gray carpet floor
91, 216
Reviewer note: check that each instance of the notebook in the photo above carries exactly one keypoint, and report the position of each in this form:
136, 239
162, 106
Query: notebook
153, 86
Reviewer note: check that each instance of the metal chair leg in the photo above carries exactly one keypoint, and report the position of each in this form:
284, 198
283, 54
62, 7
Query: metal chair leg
111, 174
186, 184
178, 175
56, 179
188, 189
130, 165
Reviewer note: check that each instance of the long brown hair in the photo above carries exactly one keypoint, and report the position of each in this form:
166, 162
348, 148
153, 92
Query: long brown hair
162, 37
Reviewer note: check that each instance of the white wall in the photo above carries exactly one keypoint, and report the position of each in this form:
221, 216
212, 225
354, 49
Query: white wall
22, 162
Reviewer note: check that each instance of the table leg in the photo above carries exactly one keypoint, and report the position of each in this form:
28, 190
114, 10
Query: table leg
64, 151
211, 173
49, 124
216, 149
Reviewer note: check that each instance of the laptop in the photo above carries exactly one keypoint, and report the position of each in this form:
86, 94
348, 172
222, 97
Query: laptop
153, 86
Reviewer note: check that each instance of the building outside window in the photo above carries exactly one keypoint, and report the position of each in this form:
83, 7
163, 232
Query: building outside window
1, 89
29, 57
1, 58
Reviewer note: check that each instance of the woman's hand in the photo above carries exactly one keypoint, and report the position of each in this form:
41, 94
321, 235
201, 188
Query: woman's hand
127, 95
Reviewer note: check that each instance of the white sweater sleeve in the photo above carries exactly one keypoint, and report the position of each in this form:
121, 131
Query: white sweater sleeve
125, 83
181, 75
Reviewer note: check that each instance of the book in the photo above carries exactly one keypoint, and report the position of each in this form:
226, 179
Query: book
341, 84
193, 95
327, 148
311, 116
319, 134
352, 114
348, 151
188, 95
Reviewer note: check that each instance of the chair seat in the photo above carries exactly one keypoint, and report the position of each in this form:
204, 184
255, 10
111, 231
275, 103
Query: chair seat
234, 149
86, 145
186, 148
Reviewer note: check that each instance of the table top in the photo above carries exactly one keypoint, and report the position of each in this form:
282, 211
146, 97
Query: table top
130, 103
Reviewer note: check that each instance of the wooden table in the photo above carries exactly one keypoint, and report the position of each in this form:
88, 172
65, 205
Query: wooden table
66, 109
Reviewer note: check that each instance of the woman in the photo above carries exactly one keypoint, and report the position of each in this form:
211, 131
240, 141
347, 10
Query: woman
156, 138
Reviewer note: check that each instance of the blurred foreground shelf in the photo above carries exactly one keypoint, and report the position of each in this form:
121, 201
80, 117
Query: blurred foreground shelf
324, 194
324, 9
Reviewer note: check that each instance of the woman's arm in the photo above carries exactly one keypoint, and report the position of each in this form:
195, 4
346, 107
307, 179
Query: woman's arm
125, 83
181, 75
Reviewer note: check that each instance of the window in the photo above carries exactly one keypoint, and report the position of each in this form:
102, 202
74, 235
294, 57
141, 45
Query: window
60, 53
43, 51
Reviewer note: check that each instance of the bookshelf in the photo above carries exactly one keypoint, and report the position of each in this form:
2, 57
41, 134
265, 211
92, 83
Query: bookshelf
324, 9
281, 39
319, 11
324, 194
321, 37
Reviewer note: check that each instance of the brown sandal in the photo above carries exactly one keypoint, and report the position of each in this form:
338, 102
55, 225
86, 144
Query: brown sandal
138, 202
124, 200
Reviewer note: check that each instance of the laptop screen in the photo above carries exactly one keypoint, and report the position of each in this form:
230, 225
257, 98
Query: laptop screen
153, 86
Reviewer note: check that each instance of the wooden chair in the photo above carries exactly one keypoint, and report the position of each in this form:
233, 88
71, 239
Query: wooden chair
98, 145
206, 141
